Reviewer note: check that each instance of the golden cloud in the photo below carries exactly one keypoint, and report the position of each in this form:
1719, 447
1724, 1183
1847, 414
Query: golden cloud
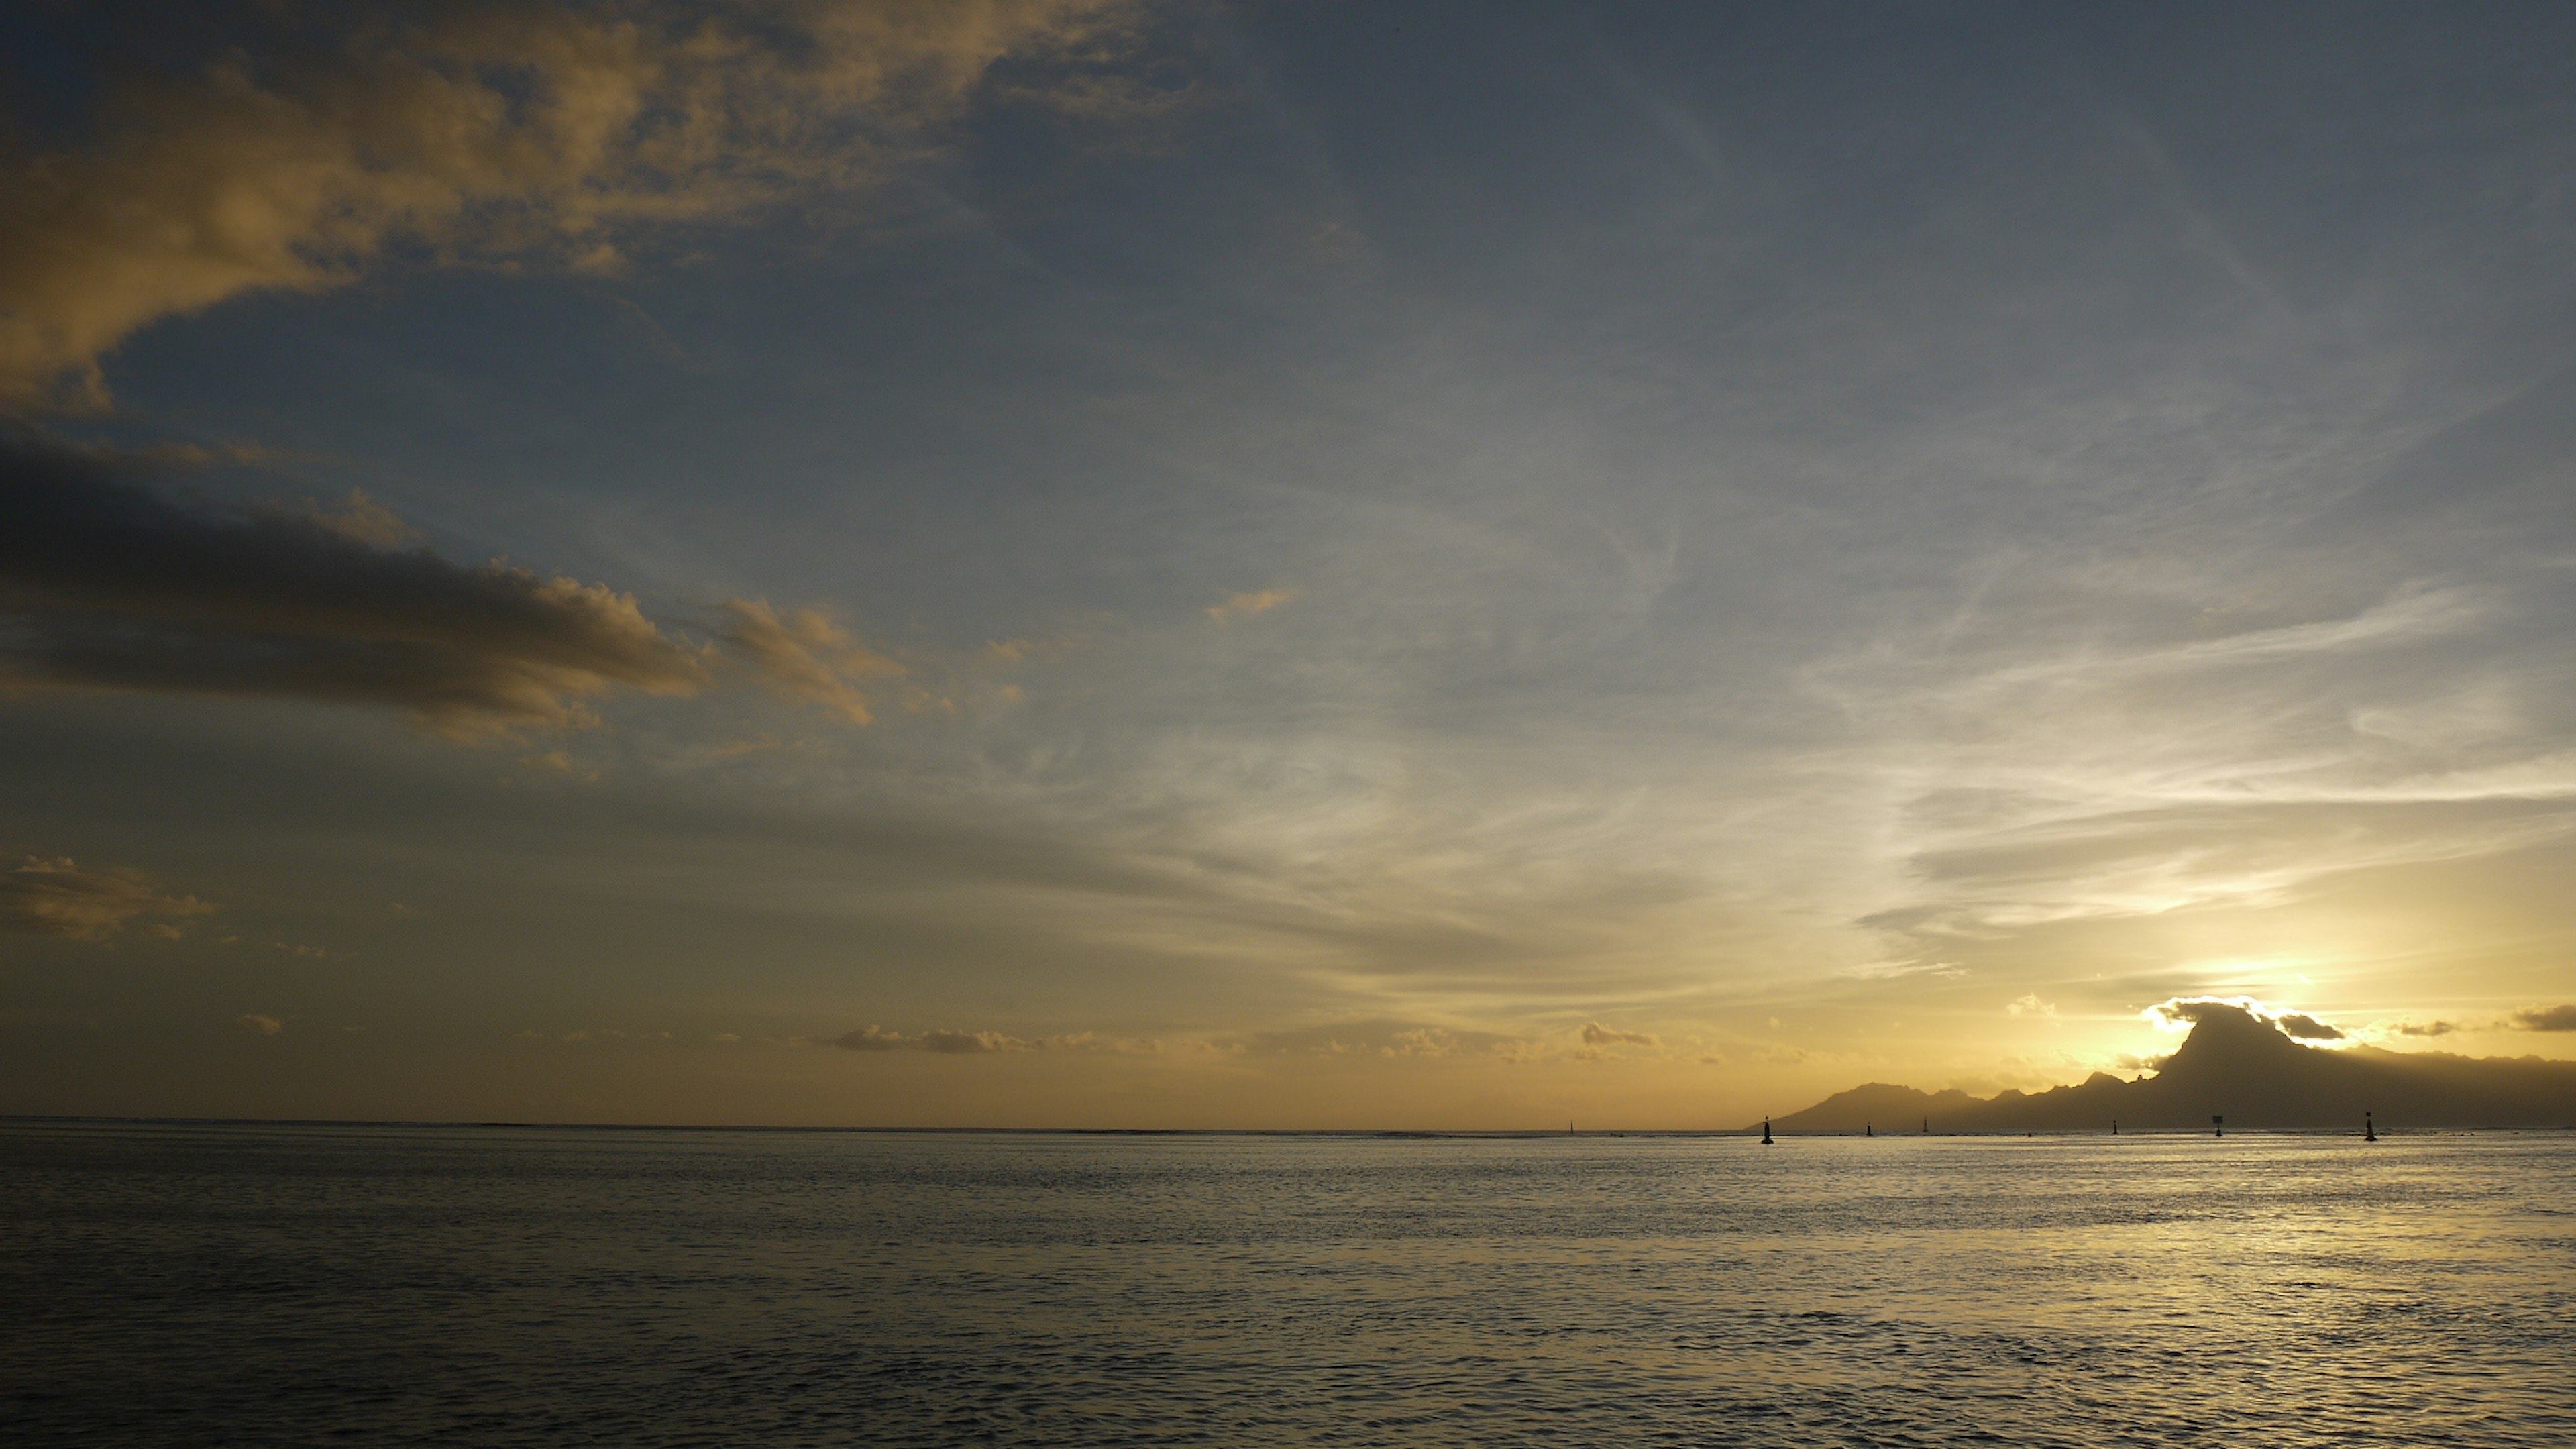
57, 898
1240, 605
805, 656
475, 132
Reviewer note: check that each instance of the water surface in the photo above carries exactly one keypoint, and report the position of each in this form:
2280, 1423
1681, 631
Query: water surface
293, 1285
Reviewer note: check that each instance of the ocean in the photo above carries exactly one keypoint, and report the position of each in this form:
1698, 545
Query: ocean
200, 1284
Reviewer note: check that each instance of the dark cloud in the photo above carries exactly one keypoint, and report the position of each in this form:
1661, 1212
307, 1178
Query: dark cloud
2547, 1018
2197, 1008
2204, 1008
2427, 1028
1595, 1034
106, 584
57, 898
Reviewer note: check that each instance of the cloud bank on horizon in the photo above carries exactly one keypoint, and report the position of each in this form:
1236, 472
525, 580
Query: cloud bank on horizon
1463, 569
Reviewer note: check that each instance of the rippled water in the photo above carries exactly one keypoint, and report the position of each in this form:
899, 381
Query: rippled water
307, 1285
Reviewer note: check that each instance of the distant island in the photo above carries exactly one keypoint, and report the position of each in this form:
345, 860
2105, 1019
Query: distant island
2246, 1068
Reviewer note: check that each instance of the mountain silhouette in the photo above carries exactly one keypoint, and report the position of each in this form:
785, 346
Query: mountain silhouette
2247, 1068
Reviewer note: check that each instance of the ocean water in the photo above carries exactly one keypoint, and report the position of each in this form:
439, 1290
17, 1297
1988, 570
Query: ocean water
276, 1285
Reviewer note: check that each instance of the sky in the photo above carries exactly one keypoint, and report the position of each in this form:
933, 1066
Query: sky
1053, 563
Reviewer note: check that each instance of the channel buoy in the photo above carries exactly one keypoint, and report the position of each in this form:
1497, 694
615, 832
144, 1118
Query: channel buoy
1766, 1131
2369, 1130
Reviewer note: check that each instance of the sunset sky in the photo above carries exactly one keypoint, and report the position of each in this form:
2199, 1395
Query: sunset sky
1038, 563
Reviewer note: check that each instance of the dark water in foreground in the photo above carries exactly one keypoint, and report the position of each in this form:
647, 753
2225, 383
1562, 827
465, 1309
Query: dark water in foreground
210, 1285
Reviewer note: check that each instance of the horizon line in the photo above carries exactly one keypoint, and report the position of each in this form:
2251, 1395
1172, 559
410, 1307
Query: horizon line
1467, 1133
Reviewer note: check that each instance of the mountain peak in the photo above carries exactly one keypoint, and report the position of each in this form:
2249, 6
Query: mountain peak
2251, 1067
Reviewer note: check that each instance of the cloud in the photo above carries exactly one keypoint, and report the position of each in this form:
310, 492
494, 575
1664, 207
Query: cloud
552, 134
2429, 1028
2029, 1005
1421, 1042
2546, 1018
1594, 1034
804, 656
559, 761
1240, 605
57, 898
363, 520
1381, 1040
869, 1039
736, 749
258, 1025
105, 585
967, 1043
947, 1043
1092, 1041
1897, 970
2183, 1011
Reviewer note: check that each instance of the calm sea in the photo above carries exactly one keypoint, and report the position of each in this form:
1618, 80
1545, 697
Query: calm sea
261, 1285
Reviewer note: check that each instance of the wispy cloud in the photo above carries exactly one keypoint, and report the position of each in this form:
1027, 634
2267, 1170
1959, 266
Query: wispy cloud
805, 656
363, 520
1239, 606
